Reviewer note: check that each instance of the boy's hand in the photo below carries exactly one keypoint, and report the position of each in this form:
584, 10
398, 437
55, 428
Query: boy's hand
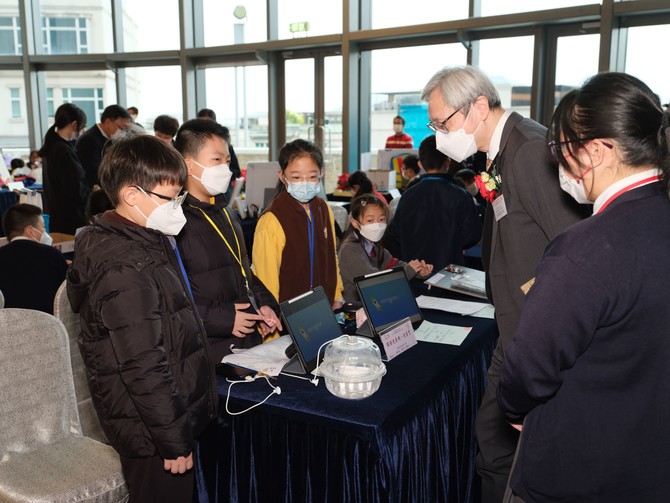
270, 322
180, 465
245, 323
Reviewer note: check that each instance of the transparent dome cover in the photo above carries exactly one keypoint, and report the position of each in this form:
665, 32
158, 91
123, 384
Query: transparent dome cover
352, 367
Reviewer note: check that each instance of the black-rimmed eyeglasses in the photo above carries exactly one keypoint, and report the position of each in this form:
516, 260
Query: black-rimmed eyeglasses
556, 147
176, 201
442, 126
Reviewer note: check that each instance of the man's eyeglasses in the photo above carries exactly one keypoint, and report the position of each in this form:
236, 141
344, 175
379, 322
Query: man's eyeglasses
556, 148
176, 201
442, 126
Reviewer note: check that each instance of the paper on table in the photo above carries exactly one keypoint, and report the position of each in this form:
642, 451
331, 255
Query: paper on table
449, 305
268, 358
435, 279
441, 334
488, 312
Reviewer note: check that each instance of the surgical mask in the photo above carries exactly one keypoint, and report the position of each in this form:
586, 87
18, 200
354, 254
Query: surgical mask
303, 191
45, 239
458, 145
473, 190
118, 135
398, 128
215, 179
168, 218
572, 187
373, 232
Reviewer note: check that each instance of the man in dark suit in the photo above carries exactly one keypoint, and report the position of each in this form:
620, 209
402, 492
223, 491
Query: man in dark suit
528, 208
115, 121
31, 269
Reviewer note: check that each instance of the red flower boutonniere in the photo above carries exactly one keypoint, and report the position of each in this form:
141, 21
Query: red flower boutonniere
488, 184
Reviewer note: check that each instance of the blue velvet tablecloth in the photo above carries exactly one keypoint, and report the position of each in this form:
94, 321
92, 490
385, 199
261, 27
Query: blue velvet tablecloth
412, 441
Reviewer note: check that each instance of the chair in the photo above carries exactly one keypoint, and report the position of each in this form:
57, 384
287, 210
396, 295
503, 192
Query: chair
43, 454
340, 215
90, 425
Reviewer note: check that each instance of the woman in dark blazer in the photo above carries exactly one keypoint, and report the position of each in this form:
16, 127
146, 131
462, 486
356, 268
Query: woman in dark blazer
586, 372
65, 189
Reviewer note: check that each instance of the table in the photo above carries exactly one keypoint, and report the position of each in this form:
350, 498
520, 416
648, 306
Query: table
411, 441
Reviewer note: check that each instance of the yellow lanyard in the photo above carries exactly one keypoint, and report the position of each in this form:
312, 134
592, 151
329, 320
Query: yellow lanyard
238, 257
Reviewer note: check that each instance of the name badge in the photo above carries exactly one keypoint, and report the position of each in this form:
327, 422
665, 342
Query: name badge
499, 208
398, 339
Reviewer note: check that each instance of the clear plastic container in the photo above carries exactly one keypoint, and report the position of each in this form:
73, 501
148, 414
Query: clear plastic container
352, 367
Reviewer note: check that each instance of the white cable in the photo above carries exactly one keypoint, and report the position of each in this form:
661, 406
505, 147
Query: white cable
313, 380
276, 390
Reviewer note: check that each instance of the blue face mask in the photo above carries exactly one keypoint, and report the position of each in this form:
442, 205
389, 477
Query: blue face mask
303, 191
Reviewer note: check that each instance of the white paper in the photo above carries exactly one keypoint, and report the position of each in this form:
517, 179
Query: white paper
435, 279
488, 312
398, 339
499, 208
268, 358
450, 305
441, 334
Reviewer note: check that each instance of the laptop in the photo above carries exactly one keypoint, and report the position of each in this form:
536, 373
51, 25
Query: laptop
387, 299
310, 322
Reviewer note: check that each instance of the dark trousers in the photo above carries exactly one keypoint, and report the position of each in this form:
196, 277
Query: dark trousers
148, 482
497, 440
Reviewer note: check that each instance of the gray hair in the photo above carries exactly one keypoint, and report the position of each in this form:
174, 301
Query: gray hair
462, 85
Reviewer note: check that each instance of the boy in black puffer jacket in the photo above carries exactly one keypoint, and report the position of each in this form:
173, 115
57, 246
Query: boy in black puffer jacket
142, 341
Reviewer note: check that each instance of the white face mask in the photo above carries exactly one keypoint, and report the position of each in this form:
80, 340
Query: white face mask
398, 128
215, 179
168, 218
458, 145
119, 134
45, 239
572, 187
373, 232
303, 191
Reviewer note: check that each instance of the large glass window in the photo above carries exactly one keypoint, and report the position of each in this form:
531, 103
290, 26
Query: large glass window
333, 141
154, 90
90, 100
239, 97
643, 63
10, 36
496, 7
81, 29
307, 18
299, 99
229, 23
13, 123
150, 25
571, 71
392, 13
512, 76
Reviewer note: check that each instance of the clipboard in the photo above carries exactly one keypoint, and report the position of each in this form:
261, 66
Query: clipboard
460, 279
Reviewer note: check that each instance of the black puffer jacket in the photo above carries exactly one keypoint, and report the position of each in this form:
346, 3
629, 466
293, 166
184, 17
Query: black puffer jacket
215, 274
143, 345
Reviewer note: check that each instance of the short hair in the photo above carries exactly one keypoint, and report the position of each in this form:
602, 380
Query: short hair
616, 106
193, 134
113, 112
411, 162
460, 86
141, 160
18, 217
206, 113
465, 174
431, 158
133, 110
68, 113
401, 119
17, 163
98, 202
166, 125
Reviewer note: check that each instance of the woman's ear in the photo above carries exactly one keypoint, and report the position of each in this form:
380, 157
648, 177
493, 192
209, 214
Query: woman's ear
596, 151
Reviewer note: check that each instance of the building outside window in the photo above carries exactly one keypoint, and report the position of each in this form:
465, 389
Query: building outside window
65, 35
88, 99
10, 36
15, 100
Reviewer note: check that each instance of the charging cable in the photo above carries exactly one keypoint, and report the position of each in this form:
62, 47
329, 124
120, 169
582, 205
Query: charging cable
276, 390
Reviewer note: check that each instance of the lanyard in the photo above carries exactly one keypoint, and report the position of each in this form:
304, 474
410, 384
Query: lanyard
181, 267
238, 257
626, 189
310, 238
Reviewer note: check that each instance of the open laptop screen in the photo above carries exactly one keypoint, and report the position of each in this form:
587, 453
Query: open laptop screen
388, 298
310, 320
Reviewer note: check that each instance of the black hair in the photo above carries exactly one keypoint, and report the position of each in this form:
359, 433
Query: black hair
141, 160
356, 211
614, 106
361, 179
401, 119
193, 134
18, 217
294, 150
98, 202
166, 125
17, 163
431, 158
465, 174
411, 162
68, 113
113, 112
207, 113
133, 110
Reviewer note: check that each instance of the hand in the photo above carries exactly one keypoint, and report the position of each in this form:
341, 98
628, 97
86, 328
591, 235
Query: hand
338, 304
180, 465
427, 269
245, 323
416, 265
270, 322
